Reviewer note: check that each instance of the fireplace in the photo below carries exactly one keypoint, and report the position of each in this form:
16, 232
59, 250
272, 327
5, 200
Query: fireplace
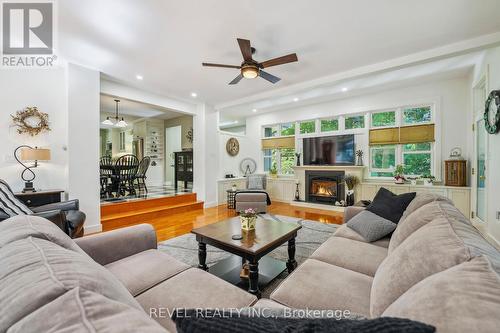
324, 186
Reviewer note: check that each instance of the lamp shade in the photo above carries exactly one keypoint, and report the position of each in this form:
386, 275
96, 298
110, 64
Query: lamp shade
35, 154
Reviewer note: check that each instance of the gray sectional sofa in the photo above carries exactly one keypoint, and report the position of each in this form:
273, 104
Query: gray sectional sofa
436, 268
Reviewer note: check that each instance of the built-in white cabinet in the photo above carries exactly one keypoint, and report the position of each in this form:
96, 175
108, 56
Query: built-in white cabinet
460, 196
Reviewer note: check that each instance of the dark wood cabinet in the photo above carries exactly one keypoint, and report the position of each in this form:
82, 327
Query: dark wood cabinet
455, 173
40, 198
183, 168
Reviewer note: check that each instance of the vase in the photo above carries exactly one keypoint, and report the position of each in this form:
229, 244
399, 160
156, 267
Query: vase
248, 222
359, 161
399, 181
349, 199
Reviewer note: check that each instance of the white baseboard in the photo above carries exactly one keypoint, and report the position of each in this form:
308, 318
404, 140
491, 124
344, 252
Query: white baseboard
210, 204
92, 229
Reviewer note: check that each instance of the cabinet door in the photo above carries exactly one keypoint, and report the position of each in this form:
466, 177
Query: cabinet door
461, 200
430, 189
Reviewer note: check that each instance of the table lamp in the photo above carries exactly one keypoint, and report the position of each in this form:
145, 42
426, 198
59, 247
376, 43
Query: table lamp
33, 155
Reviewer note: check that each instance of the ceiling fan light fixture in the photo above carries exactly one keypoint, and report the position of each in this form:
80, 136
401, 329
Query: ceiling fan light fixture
249, 72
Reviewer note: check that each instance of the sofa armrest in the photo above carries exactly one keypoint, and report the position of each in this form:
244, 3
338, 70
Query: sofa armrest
64, 206
351, 211
55, 216
110, 246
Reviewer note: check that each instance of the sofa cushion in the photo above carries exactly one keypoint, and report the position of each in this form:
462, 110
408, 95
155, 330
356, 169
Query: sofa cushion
80, 310
422, 199
463, 298
34, 272
350, 254
346, 232
389, 205
318, 285
193, 288
9, 204
24, 226
371, 226
429, 250
146, 269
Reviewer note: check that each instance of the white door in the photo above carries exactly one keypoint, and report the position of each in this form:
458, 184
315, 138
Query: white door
480, 161
172, 144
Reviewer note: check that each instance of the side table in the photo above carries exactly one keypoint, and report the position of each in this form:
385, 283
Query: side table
231, 199
40, 198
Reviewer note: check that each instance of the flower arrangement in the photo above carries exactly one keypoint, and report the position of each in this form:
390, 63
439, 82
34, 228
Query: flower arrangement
248, 217
399, 175
351, 181
428, 179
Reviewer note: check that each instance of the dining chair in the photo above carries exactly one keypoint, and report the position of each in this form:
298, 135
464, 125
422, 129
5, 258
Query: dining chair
105, 172
141, 173
124, 173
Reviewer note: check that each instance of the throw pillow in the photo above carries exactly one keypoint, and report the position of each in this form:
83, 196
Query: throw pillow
192, 321
9, 204
371, 226
389, 205
255, 183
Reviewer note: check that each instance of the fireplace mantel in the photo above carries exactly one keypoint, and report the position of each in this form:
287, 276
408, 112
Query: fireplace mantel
300, 174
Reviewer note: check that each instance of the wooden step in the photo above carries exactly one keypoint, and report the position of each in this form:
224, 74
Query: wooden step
148, 215
112, 208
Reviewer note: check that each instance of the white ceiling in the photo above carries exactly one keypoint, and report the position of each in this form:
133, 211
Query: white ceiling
166, 40
135, 109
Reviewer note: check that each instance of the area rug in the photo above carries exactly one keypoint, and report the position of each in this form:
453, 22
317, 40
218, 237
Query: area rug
309, 238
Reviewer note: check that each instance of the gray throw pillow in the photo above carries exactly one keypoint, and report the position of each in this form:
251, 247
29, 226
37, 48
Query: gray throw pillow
371, 226
255, 183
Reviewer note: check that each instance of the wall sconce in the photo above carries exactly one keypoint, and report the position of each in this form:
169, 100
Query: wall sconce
33, 155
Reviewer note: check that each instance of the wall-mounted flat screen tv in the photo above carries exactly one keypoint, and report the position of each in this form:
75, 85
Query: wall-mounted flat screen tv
329, 150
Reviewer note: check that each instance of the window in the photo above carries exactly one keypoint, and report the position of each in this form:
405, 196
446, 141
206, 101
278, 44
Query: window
383, 160
283, 159
121, 145
418, 115
328, 125
307, 127
417, 159
271, 131
383, 119
355, 122
287, 129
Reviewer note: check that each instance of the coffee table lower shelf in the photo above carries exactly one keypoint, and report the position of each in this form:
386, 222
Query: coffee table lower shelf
229, 270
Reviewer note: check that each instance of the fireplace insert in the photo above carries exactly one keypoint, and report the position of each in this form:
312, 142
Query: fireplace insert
324, 186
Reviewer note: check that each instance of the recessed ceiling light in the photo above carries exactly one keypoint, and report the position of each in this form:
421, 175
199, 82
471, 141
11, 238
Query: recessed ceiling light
344, 89
254, 110
295, 99
139, 77
194, 95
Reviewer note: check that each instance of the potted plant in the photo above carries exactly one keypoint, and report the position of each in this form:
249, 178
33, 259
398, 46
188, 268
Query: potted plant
413, 180
234, 187
248, 217
428, 179
273, 171
399, 176
350, 182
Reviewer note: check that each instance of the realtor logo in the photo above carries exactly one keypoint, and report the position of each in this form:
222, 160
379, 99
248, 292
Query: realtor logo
27, 30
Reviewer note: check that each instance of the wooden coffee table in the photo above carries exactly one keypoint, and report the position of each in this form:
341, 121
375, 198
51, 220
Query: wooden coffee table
267, 236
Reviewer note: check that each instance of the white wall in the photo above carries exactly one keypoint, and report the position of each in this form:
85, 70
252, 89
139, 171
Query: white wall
491, 63
231, 164
83, 142
46, 90
450, 96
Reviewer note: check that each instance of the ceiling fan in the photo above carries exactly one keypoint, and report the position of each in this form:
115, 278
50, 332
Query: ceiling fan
250, 68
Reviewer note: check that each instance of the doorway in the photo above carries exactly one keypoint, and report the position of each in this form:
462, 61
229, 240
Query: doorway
480, 158
173, 138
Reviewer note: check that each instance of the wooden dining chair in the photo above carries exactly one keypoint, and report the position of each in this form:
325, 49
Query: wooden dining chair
125, 172
141, 173
105, 172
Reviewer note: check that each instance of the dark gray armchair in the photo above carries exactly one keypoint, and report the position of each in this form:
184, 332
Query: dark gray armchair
66, 215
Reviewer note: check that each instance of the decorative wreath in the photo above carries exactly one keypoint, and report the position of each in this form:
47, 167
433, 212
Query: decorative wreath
492, 128
31, 121
189, 135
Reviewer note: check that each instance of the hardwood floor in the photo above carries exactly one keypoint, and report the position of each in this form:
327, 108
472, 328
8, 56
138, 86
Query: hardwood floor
181, 223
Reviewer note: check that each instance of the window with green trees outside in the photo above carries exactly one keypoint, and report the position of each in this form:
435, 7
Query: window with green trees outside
417, 115
307, 127
271, 131
328, 125
355, 122
381, 119
287, 129
383, 160
417, 158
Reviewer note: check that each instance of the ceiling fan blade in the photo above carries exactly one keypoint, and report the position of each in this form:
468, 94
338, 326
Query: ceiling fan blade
280, 61
246, 49
220, 65
236, 79
269, 77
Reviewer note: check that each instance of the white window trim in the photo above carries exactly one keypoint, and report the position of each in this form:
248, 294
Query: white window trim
278, 163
